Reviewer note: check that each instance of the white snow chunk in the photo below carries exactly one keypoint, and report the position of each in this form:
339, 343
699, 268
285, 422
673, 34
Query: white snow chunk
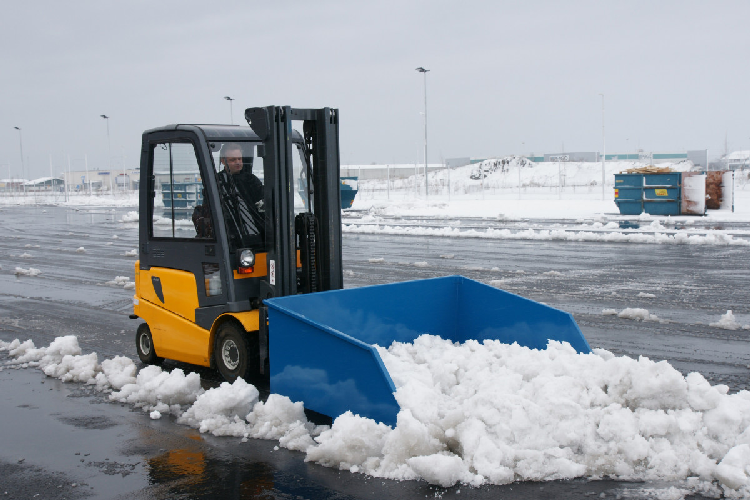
448, 256
279, 418
421, 264
441, 469
32, 271
119, 371
115, 237
638, 314
155, 415
155, 389
25, 255
130, 217
609, 312
120, 281
552, 273
80, 250
219, 411
728, 322
376, 260
734, 469
646, 295
131, 253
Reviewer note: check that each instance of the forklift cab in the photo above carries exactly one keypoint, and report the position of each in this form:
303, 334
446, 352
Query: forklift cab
230, 216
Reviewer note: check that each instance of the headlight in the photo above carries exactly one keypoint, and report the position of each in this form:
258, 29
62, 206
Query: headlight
247, 258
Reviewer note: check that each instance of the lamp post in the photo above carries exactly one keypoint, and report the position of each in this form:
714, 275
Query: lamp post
424, 71
231, 115
604, 147
20, 142
109, 154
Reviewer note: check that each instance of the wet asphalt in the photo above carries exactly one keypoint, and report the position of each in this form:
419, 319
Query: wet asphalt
60, 440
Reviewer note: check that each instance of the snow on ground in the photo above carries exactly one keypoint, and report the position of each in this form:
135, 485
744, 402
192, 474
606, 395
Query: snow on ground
472, 413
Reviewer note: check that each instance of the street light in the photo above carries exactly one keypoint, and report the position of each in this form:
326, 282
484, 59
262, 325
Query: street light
109, 152
231, 115
604, 147
20, 142
424, 71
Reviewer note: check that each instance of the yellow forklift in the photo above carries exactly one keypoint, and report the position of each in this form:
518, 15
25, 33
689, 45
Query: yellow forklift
230, 216
240, 263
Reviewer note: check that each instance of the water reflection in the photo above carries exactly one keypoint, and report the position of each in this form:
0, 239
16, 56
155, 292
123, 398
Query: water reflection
191, 474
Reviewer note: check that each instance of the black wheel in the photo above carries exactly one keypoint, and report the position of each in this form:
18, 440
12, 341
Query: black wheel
236, 354
144, 344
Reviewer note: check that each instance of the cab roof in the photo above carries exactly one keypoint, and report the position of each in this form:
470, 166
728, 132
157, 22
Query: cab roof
219, 132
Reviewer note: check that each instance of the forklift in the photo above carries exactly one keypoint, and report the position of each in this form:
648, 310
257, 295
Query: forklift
231, 216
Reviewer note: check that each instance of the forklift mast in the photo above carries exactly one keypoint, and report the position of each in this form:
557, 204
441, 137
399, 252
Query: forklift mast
316, 234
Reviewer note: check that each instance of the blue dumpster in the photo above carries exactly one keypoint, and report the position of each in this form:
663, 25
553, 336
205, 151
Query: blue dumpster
655, 194
321, 345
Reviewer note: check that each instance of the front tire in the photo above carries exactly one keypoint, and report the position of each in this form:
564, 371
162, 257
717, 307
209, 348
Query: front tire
144, 344
234, 354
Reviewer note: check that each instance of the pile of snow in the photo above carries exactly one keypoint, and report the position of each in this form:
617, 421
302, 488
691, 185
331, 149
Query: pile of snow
32, 271
474, 413
80, 250
728, 322
131, 253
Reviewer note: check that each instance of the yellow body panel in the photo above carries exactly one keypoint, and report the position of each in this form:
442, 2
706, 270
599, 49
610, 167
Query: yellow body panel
179, 289
175, 337
250, 319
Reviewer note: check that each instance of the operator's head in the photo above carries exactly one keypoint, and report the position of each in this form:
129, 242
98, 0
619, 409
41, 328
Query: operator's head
231, 157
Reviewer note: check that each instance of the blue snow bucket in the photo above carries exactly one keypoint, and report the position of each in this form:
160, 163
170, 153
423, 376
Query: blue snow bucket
321, 345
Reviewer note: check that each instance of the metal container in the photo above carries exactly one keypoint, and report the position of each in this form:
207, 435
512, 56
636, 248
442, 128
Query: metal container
348, 191
655, 194
322, 345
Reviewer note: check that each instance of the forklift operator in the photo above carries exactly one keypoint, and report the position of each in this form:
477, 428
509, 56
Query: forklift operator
241, 196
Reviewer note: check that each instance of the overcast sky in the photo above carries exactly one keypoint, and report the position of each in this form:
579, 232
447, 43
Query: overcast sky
505, 77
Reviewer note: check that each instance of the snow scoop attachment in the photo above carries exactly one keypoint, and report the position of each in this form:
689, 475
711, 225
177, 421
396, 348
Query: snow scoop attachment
322, 345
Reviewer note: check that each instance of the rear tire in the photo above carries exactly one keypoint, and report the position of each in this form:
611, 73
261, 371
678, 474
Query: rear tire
144, 344
235, 354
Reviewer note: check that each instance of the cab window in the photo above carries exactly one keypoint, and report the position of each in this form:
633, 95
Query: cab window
178, 190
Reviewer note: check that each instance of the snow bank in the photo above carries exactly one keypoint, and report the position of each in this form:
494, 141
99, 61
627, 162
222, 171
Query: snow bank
677, 237
473, 413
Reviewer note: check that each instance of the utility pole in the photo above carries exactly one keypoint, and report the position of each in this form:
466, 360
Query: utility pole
424, 71
604, 147
20, 142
